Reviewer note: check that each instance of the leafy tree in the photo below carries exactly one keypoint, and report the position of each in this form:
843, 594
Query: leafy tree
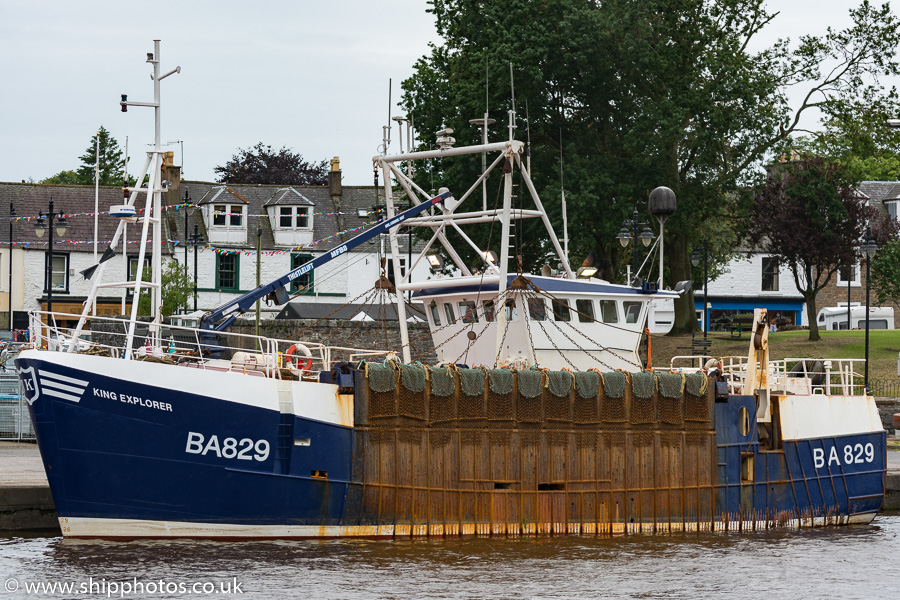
263, 164
809, 216
886, 272
658, 92
111, 161
62, 178
177, 289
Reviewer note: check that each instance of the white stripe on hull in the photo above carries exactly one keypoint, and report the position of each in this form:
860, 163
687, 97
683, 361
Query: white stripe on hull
307, 399
83, 527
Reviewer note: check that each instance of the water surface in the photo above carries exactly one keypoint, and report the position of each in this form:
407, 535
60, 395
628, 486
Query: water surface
845, 562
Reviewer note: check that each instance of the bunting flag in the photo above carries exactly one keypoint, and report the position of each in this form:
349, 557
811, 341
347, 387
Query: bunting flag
109, 252
177, 207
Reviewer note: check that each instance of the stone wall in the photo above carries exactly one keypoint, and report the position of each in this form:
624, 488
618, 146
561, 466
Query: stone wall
887, 407
364, 335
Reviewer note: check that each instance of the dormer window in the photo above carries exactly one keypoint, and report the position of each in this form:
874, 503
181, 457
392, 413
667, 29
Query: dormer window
228, 215
295, 217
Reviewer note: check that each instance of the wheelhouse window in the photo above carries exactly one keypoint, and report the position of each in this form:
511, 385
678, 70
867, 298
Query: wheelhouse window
537, 309
489, 311
770, 269
561, 311
585, 308
448, 310
467, 312
632, 311
435, 314
512, 312
608, 312
56, 275
227, 266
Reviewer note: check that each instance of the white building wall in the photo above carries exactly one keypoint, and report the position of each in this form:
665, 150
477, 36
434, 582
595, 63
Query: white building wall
743, 278
34, 268
341, 280
18, 265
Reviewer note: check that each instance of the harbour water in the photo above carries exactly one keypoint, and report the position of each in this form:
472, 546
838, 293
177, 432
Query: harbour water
837, 562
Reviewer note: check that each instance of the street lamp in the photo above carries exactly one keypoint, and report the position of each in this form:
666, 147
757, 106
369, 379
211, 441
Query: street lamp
43, 224
187, 200
695, 260
869, 248
12, 217
625, 236
195, 240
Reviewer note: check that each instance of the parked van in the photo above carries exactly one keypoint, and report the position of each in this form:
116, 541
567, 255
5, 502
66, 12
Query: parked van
835, 318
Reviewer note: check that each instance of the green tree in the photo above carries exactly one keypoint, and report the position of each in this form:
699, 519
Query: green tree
111, 161
177, 290
62, 178
657, 92
809, 215
265, 165
886, 273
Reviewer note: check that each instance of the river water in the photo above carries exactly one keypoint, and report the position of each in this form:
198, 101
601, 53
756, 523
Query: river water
844, 562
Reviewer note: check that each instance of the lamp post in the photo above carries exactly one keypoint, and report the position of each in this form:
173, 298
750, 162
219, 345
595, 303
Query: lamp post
12, 217
869, 248
849, 277
187, 200
695, 260
43, 224
195, 240
625, 236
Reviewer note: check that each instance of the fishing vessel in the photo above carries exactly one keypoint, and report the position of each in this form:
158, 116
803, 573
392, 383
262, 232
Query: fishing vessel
538, 418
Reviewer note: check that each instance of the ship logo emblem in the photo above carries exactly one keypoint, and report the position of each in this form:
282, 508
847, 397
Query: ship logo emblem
61, 386
29, 381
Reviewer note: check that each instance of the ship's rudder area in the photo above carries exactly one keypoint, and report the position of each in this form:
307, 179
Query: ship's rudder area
450, 451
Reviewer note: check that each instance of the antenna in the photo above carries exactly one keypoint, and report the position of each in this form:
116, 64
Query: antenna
527, 138
512, 112
562, 189
386, 129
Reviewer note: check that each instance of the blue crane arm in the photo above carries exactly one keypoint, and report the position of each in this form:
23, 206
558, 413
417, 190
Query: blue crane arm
222, 317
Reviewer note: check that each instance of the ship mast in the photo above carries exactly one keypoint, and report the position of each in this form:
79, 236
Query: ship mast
152, 215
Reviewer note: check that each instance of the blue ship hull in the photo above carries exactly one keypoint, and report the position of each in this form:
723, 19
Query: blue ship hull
126, 458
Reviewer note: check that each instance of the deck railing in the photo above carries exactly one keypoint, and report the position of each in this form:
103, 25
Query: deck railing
831, 376
250, 354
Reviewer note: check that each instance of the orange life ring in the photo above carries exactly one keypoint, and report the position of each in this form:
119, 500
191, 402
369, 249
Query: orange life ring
296, 366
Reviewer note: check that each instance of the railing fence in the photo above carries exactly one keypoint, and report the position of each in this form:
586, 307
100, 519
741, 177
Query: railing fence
15, 423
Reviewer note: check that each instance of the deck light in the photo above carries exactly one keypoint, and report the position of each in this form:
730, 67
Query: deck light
436, 262
586, 272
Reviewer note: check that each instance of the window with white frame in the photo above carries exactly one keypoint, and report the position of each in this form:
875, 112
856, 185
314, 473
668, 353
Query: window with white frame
132, 268
892, 208
56, 275
295, 217
770, 269
228, 216
848, 276
390, 268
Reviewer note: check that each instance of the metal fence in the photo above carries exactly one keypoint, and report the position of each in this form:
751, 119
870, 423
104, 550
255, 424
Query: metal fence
15, 423
885, 388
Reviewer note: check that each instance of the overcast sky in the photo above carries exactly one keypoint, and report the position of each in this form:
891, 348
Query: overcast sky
312, 76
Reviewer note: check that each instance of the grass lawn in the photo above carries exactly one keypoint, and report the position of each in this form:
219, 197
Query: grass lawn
884, 347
